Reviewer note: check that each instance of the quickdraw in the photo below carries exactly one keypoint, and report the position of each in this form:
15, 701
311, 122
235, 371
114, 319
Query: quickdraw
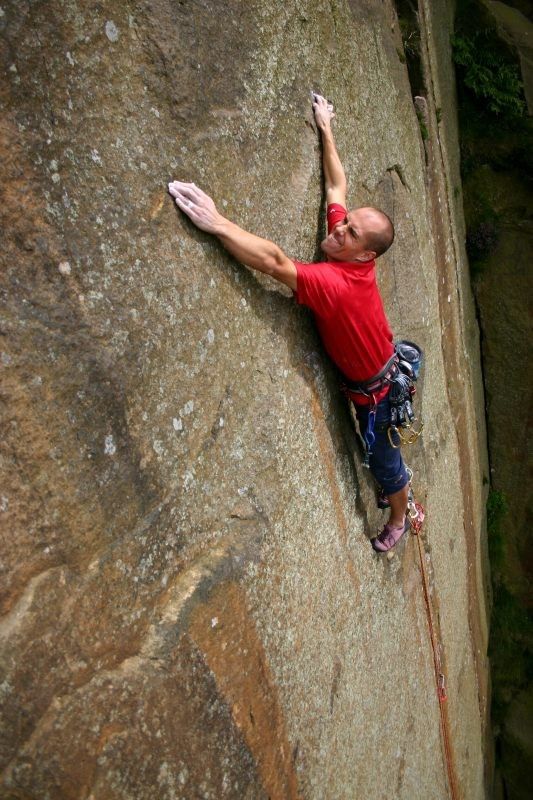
370, 436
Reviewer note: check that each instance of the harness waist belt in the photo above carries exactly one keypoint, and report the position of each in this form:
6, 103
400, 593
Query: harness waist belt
376, 383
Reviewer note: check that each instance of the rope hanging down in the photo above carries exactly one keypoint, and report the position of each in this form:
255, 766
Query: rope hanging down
416, 516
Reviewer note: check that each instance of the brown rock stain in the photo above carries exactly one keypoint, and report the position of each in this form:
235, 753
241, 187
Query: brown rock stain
334, 693
225, 633
156, 206
108, 732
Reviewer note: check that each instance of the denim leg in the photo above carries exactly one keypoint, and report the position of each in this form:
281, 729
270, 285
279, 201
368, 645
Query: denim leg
386, 462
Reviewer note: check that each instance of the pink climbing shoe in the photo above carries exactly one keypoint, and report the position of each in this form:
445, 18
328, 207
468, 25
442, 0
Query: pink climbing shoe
389, 536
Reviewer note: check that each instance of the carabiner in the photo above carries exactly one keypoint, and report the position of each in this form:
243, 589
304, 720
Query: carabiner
413, 434
392, 430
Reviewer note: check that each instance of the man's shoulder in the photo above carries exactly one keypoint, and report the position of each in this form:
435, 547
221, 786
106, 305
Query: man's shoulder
320, 270
322, 264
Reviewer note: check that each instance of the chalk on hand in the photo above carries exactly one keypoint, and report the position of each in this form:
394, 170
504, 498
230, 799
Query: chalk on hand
314, 96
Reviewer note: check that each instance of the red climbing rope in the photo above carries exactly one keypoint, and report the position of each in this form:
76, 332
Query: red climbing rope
416, 516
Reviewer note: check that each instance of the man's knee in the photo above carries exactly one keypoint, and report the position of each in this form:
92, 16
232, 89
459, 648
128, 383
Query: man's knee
388, 468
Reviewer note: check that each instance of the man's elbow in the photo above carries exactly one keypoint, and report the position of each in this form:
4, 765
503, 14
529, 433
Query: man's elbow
333, 191
284, 270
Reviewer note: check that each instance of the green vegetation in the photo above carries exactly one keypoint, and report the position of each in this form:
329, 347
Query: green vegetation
496, 133
487, 71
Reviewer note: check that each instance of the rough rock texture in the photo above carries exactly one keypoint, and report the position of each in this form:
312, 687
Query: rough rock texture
191, 608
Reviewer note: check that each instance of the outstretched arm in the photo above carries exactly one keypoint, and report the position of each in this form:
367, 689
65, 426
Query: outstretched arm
260, 254
334, 176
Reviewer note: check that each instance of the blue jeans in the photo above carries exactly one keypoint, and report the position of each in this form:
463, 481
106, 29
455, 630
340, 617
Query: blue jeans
386, 462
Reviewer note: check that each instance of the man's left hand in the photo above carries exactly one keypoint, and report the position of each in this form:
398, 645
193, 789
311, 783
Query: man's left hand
323, 111
198, 206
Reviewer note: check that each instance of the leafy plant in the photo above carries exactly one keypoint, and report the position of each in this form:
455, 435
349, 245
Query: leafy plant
488, 74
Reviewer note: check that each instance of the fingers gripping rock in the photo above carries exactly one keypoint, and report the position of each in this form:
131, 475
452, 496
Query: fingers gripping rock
318, 100
196, 204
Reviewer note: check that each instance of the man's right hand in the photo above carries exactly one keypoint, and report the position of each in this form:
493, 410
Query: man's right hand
260, 254
323, 111
198, 206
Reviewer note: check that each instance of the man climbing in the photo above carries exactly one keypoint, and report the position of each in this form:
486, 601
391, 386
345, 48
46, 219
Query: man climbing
343, 294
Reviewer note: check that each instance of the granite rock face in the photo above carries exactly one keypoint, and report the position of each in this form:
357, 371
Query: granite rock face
191, 607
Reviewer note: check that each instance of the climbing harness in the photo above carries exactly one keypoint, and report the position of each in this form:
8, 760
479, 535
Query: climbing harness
375, 384
416, 514
400, 373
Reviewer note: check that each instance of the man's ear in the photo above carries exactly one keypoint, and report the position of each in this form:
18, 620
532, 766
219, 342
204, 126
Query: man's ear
367, 255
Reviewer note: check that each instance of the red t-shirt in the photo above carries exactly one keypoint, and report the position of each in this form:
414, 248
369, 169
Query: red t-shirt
349, 313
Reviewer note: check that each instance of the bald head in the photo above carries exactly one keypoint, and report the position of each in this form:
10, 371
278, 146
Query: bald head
362, 235
377, 229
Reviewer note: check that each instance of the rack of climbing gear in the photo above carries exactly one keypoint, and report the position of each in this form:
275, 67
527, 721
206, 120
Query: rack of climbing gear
401, 394
416, 513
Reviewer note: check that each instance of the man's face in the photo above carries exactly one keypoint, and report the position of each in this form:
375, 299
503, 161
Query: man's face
347, 240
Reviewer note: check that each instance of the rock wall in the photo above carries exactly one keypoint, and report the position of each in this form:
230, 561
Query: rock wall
191, 607
498, 198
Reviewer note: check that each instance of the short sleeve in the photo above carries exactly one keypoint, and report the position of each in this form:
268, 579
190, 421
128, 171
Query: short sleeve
318, 287
335, 214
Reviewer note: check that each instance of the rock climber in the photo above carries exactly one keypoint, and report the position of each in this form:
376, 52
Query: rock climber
343, 294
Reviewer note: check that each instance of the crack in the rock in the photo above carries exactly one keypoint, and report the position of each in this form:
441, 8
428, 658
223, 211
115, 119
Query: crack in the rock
397, 168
